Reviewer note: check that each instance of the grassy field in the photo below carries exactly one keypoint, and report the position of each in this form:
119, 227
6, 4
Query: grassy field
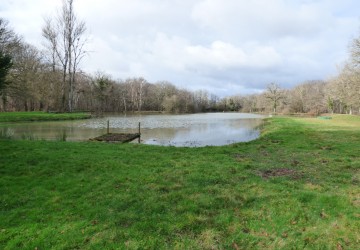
40, 116
297, 187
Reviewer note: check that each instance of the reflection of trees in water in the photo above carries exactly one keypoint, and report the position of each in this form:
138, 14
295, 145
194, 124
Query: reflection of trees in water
245, 123
160, 136
60, 131
6, 133
220, 133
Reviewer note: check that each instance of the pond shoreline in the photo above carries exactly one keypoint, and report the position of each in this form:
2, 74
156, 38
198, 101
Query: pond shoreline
189, 130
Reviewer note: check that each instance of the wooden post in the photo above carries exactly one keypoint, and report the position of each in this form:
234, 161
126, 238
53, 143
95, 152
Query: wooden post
108, 126
139, 133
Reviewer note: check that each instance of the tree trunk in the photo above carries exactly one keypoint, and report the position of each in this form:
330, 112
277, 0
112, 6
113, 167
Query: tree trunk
4, 101
125, 110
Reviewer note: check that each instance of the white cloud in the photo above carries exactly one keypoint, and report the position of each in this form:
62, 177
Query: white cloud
221, 56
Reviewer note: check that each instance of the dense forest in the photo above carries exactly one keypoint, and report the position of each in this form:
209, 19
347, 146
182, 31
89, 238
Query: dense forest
50, 79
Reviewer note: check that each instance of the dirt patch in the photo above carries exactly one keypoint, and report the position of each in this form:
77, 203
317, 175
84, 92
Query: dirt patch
326, 147
277, 172
295, 163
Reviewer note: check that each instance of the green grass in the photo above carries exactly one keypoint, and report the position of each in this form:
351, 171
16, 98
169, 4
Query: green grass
40, 116
297, 187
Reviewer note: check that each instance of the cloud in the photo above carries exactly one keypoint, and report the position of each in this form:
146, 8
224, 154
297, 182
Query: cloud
223, 46
221, 56
179, 54
261, 18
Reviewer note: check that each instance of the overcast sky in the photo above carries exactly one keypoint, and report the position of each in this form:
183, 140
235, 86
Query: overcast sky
225, 46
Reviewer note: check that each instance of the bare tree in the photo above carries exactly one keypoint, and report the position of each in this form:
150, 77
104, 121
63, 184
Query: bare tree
141, 82
201, 100
25, 78
343, 91
308, 97
315, 101
355, 52
249, 103
297, 98
9, 40
65, 36
274, 94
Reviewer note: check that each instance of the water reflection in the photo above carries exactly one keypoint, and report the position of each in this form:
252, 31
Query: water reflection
215, 134
168, 130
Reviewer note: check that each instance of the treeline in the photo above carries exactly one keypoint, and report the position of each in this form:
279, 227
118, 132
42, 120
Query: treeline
309, 97
100, 93
50, 80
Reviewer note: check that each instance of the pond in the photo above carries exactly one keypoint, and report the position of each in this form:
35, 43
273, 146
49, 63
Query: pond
194, 130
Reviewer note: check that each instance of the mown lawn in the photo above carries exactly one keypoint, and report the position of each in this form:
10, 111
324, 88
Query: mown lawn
40, 116
297, 187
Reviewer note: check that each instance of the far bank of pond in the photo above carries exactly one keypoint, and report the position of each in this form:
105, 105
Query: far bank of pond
157, 129
41, 116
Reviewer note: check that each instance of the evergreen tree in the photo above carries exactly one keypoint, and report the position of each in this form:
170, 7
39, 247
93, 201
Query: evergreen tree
5, 65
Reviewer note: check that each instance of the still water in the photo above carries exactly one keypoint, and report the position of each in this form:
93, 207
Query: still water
193, 130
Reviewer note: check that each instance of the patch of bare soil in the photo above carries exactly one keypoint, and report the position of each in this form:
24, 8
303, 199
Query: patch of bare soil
276, 172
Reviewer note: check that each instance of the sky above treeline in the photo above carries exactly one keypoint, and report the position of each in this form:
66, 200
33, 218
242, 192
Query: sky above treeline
224, 46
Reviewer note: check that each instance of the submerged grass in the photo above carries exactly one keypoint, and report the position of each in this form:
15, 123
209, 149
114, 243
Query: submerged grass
297, 187
40, 116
